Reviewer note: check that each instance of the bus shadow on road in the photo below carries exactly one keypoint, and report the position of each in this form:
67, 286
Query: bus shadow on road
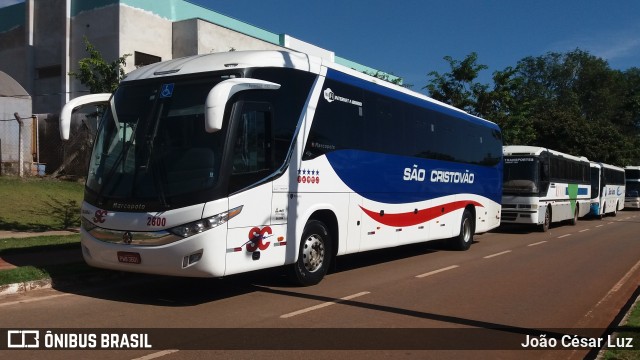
182, 292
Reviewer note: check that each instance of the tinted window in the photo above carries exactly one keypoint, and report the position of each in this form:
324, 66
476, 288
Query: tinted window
338, 124
390, 126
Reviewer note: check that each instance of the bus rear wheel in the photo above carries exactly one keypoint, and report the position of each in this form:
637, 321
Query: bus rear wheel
465, 238
314, 255
574, 220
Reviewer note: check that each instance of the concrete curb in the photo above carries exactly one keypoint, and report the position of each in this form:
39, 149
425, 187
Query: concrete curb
26, 286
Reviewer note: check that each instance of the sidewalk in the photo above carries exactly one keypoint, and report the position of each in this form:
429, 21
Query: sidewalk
61, 256
39, 258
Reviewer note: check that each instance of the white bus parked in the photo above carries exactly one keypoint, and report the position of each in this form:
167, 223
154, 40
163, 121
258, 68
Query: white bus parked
543, 186
607, 189
230, 162
632, 190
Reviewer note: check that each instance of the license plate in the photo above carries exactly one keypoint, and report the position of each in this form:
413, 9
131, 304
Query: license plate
129, 257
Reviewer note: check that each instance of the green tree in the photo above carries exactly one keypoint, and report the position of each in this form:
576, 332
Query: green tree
579, 105
502, 106
458, 87
388, 78
96, 73
571, 102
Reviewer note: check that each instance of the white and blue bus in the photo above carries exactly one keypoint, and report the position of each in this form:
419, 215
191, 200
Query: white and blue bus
225, 163
632, 189
607, 189
543, 186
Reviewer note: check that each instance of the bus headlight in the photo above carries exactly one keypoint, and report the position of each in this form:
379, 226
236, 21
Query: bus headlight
203, 225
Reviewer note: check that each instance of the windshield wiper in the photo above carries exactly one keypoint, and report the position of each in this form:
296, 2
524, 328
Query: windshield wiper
121, 159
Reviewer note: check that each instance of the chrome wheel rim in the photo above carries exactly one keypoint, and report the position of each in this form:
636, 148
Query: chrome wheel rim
313, 253
466, 230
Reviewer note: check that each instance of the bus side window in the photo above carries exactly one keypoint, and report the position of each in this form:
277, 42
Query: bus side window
252, 157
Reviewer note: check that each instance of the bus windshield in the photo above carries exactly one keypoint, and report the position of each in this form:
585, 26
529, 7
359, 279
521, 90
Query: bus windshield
521, 175
632, 189
152, 144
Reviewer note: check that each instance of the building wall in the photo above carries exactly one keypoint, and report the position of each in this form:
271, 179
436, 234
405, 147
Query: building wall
166, 29
198, 36
48, 41
101, 27
144, 32
12, 42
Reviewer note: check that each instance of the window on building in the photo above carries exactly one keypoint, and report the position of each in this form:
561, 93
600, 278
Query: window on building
142, 59
49, 71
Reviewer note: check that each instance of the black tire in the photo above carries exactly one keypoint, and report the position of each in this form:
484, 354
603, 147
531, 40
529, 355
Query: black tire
615, 210
314, 255
544, 227
574, 221
465, 238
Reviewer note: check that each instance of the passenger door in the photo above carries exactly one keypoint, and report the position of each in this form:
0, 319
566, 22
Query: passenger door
252, 240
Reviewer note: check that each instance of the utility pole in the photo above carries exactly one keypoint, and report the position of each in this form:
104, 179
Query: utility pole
20, 154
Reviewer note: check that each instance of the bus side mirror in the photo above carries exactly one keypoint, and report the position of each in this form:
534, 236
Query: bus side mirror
67, 110
218, 96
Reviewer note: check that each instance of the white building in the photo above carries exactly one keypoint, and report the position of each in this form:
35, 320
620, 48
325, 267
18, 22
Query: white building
42, 40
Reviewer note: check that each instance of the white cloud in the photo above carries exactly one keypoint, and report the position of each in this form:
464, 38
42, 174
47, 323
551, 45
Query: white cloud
4, 3
612, 46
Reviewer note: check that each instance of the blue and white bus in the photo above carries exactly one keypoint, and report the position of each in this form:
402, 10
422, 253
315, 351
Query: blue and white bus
632, 189
542, 186
230, 162
607, 189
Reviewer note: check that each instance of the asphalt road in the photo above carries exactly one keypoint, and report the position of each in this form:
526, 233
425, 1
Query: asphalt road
418, 301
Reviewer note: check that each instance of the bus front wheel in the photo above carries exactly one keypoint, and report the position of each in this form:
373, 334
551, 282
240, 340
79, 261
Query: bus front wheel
544, 227
313, 256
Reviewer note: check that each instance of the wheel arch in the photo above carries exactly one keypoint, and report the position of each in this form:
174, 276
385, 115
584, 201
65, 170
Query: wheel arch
472, 209
330, 220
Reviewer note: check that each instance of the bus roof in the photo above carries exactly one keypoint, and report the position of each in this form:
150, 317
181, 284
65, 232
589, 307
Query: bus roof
608, 166
510, 150
294, 60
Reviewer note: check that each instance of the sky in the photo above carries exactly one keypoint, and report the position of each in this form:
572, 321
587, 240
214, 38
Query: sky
409, 38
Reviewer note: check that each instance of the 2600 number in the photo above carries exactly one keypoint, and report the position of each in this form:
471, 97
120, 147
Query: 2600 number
156, 221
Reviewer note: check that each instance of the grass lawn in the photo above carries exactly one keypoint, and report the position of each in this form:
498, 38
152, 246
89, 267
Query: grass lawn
633, 321
39, 204
41, 245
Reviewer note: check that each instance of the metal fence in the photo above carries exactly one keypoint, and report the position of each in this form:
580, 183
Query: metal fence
37, 138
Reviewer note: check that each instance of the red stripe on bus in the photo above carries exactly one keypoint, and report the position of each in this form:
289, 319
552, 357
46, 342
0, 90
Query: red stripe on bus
414, 218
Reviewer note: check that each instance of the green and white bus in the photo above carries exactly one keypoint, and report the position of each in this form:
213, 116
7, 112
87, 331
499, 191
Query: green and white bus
542, 186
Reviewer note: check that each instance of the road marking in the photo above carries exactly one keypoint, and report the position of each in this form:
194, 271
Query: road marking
25, 301
599, 225
320, 306
157, 355
437, 271
498, 254
538, 243
613, 290
562, 236
583, 230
